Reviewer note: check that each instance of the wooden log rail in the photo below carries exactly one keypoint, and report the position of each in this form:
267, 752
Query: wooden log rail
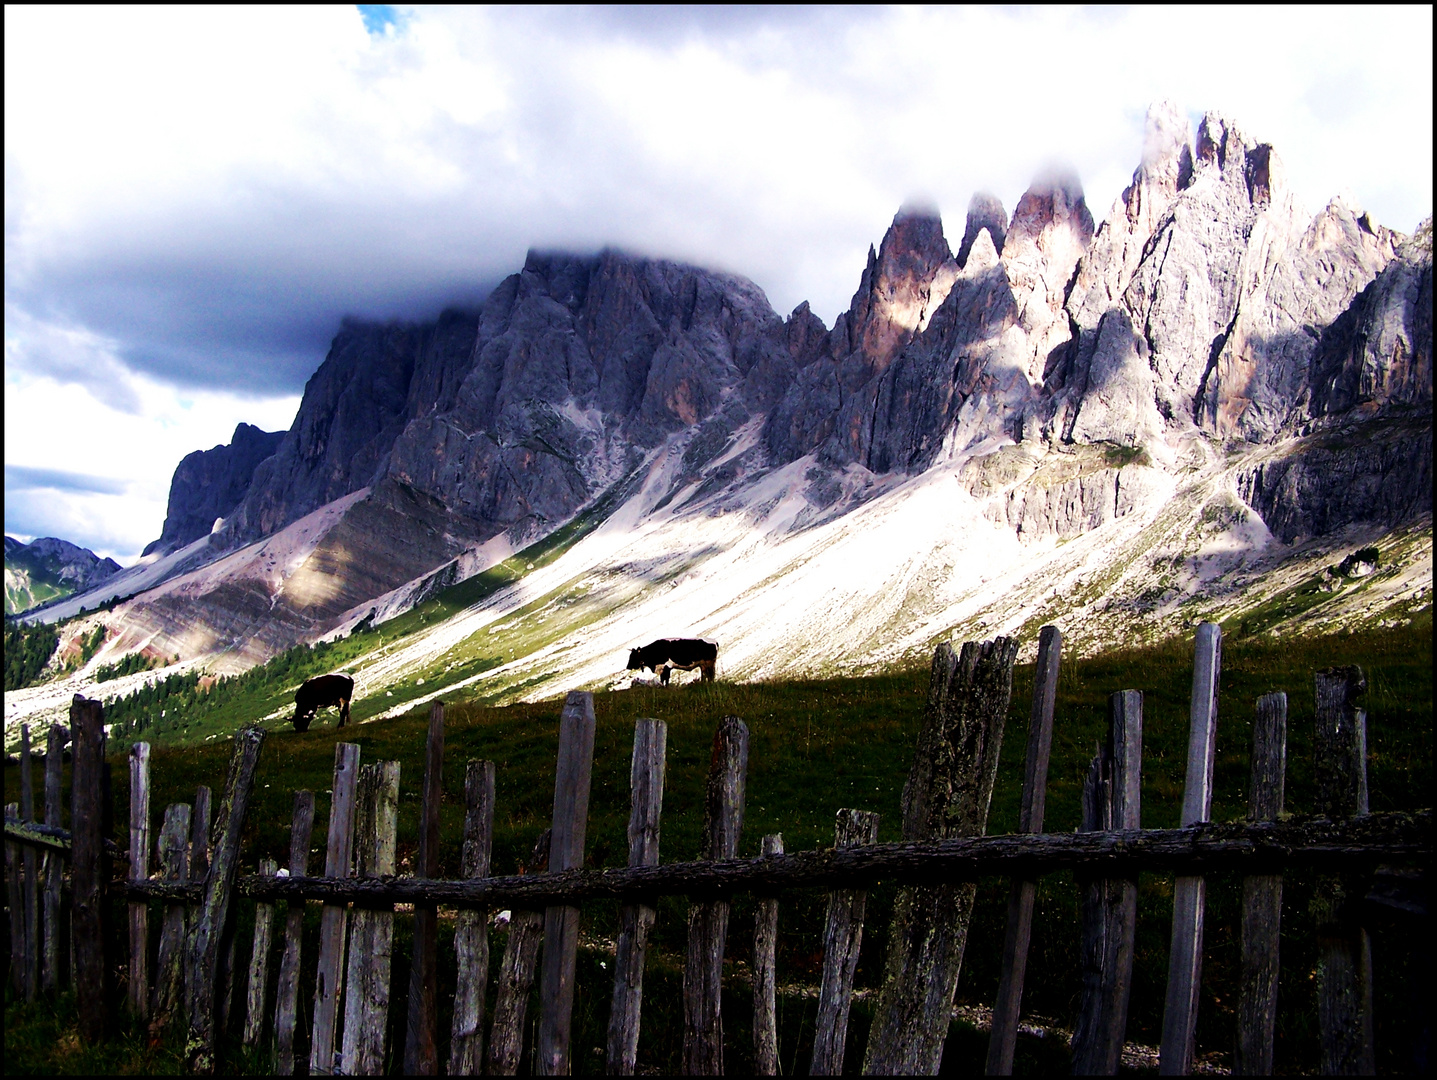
1248, 848
54, 838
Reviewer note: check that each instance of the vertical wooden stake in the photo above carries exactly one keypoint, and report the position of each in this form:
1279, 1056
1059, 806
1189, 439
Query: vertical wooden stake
708, 920
421, 1051
471, 932
199, 844
1111, 800
842, 940
329, 978
169, 968
287, 998
15, 896
566, 852
516, 977
201, 965
139, 871
256, 999
1190, 892
948, 792
1008, 1006
1344, 972
54, 864
88, 866
371, 936
420, 1043
765, 974
32, 873
646, 800
1262, 898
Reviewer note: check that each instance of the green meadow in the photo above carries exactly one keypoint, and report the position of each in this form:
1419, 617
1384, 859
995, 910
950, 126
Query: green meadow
817, 746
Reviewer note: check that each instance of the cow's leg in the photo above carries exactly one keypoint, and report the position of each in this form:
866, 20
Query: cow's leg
664, 674
344, 712
708, 670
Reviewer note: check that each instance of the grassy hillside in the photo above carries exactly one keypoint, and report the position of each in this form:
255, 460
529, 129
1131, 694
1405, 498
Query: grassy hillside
817, 746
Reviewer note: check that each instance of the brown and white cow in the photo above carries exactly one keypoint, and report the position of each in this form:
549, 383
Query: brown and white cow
664, 655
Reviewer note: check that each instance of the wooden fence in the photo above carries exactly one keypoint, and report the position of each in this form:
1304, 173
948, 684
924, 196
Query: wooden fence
943, 850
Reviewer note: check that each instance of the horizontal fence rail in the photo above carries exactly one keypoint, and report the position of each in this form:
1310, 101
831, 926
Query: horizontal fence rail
1297, 841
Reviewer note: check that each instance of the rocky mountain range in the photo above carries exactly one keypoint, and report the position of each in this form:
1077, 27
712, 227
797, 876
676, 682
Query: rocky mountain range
1210, 373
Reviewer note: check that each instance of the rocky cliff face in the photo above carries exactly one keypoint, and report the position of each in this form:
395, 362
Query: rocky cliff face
1207, 319
209, 484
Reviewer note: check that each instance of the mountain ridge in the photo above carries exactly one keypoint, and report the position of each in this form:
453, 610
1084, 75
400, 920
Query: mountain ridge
1209, 349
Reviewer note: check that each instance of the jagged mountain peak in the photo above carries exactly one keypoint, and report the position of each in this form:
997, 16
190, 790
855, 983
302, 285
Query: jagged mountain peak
985, 211
893, 294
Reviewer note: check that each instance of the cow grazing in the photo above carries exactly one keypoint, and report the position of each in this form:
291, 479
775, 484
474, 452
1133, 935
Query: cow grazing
319, 693
664, 655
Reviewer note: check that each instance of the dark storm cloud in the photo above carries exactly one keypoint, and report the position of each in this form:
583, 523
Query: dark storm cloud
251, 304
23, 478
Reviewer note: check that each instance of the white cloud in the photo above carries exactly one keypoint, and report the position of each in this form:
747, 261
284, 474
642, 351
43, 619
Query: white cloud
198, 194
57, 426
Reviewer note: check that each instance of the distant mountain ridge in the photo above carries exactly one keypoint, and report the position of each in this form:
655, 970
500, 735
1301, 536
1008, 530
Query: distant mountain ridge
1208, 342
50, 569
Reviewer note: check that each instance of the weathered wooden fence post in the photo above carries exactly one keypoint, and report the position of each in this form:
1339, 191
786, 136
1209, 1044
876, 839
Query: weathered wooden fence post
842, 940
1190, 892
566, 852
199, 846
338, 863
54, 863
471, 932
257, 995
1111, 800
1262, 897
88, 872
32, 872
175, 869
646, 801
201, 965
421, 1051
708, 920
286, 1010
765, 974
139, 872
15, 899
1344, 971
371, 934
1008, 1006
949, 788
516, 976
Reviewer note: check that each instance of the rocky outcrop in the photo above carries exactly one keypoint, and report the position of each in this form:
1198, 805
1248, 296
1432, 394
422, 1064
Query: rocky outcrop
353, 409
985, 211
1378, 353
1377, 473
209, 484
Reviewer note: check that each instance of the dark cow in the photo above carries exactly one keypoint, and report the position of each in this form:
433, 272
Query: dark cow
319, 693
676, 652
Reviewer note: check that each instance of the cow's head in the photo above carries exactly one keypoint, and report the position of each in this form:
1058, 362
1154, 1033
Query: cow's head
301, 719
635, 659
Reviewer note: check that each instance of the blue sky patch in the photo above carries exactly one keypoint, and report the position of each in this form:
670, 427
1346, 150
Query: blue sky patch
378, 17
